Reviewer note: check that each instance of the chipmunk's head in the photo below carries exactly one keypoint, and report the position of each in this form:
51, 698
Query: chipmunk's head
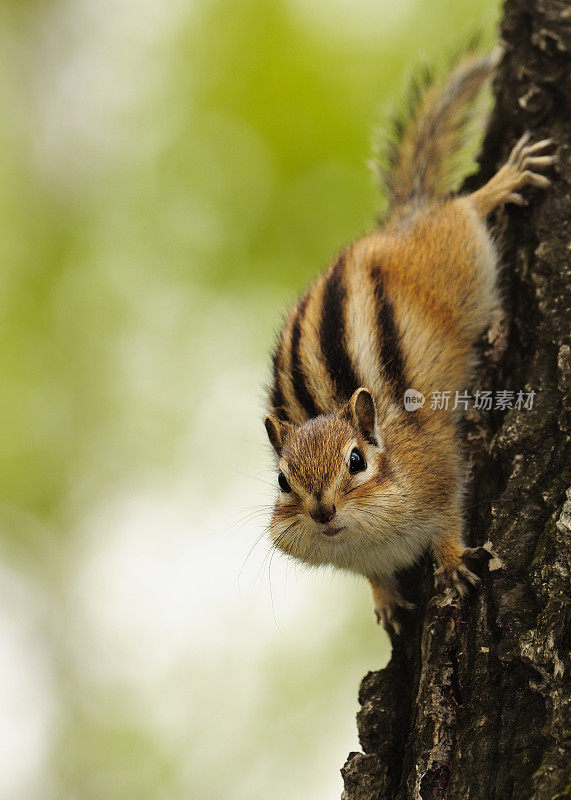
336, 492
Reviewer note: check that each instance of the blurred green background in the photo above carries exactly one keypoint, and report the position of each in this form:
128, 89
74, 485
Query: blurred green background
171, 174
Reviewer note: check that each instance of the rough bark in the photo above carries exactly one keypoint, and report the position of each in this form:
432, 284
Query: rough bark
474, 704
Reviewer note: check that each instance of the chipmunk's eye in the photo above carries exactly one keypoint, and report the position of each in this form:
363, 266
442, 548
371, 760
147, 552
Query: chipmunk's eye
357, 461
284, 485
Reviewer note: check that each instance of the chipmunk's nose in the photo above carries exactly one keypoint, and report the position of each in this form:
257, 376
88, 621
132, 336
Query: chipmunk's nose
323, 513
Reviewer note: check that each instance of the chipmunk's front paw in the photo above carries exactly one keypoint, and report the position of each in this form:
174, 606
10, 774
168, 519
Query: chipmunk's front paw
388, 614
458, 576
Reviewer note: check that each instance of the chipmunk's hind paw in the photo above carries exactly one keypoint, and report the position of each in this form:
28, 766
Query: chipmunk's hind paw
523, 168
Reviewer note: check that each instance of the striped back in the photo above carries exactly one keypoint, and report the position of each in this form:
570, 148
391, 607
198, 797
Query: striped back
342, 334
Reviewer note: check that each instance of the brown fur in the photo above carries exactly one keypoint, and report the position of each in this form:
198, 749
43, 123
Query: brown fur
398, 309
423, 159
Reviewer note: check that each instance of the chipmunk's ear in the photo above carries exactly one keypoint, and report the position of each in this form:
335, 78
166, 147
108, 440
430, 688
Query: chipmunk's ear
361, 413
277, 431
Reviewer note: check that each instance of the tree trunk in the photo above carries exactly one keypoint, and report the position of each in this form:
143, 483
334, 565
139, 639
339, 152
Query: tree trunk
474, 702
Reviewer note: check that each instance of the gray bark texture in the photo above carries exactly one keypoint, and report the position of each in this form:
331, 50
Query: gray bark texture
474, 704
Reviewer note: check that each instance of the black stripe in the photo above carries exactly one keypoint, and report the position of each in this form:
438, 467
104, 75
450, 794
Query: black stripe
391, 357
332, 333
276, 396
297, 375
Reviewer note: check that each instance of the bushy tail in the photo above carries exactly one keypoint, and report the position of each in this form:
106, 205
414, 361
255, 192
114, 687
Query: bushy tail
426, 157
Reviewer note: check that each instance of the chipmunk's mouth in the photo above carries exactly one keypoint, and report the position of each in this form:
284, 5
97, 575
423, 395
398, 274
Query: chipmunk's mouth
332, 531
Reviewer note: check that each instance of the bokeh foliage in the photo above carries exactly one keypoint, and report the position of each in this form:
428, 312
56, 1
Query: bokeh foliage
170, 175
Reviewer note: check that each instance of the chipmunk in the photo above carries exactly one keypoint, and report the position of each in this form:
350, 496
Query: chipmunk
364, 484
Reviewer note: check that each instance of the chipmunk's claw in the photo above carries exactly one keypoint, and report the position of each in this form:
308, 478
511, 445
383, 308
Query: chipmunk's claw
459, 578
524, 166
387, 615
